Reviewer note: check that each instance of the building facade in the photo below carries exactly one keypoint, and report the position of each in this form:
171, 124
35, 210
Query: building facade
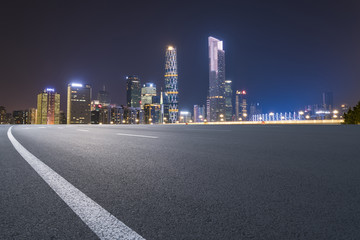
199, 113
241, 113
148, 91
79, 104
228, 101
103, 97
171, 84
133, 91
48, 107
216, 80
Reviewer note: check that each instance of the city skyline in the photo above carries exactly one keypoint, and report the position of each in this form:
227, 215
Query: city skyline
282, 69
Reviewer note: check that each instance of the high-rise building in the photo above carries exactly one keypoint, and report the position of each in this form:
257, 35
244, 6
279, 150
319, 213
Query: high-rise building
255, 109
33, 116
133, 91
103, 97
171, 84
148, 91
48, 107
228, 101
78, 104
327, 101
216, 80
199, 113
241, 113
3, 115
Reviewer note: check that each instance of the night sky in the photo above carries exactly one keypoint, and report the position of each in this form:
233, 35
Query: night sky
284, 53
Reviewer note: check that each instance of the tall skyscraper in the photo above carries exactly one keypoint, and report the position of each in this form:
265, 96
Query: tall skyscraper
216, 80
199, 113
79, 104
103, 97
241, 113
148, 91
48, 107
228, 101
327, 101
171, 84
133, 91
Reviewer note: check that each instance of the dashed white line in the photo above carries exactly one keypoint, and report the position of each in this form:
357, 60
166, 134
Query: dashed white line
134, 135
82, 130
100, 221
41, 127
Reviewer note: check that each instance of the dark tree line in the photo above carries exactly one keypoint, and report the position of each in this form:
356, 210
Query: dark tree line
353, 115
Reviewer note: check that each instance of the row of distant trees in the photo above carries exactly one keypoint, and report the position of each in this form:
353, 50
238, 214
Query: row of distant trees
353, 115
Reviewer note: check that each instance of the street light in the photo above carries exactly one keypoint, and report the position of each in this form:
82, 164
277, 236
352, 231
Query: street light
307, 117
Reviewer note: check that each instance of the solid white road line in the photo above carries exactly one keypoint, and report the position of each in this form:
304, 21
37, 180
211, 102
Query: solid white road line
133, 135
82, 130
100, 221
41, 127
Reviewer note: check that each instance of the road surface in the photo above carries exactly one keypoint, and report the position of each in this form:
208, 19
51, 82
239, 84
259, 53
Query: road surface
183, 182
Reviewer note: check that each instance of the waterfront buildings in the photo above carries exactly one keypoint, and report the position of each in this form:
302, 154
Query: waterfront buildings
78, 104
171, 85
327, 101
133, 91
48, 107
216, 80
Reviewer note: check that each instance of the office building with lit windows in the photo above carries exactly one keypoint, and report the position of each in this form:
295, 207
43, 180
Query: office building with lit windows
79, 104
48, 107
228, 101
133, 91
171, 85
217, 110
148, 91
241, 113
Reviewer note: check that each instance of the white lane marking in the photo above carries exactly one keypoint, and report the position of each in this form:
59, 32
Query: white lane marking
82, 130
60, 127
41, 127
100, 221
133, 135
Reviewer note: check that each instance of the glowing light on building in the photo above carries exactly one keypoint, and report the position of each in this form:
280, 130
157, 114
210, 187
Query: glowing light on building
171, 83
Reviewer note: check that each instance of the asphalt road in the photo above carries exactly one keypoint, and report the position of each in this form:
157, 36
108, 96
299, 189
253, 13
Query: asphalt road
187, 182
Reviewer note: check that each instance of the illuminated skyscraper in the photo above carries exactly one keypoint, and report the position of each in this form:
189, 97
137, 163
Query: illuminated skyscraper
199, 113
148, 91
103, 97
133, 91
216, 80
48, 107
228, 101
79, 104
171, 84
241, 113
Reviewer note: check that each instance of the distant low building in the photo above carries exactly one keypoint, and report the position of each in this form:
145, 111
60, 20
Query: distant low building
3, 119
21, 117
